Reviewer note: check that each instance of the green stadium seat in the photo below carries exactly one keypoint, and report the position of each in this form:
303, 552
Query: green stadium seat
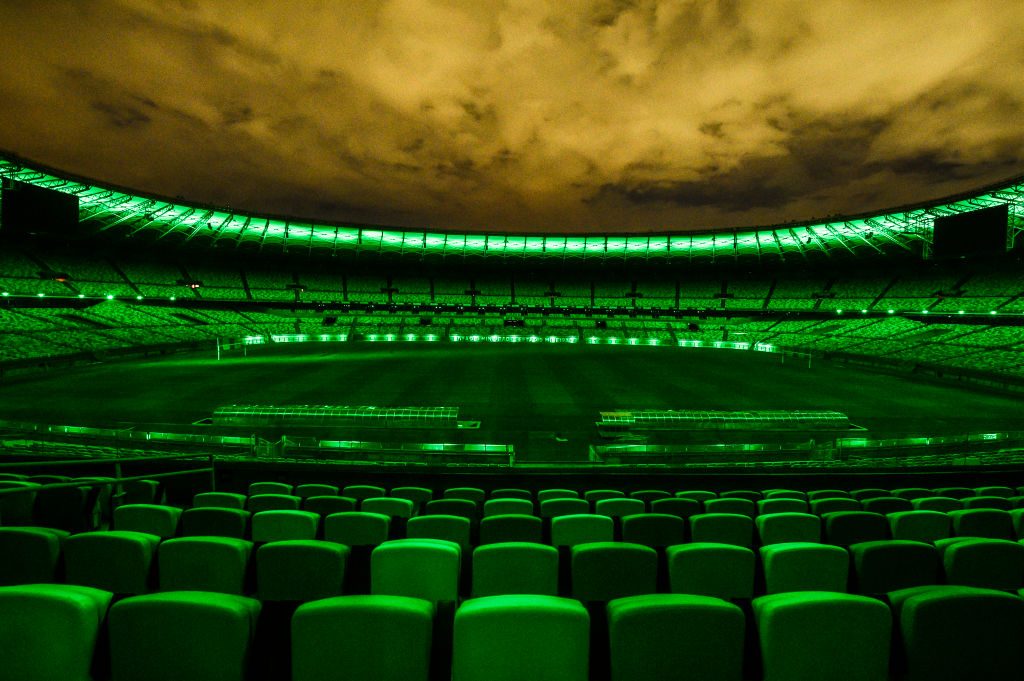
545, 494
985, 563
817, 635
219, 500
163, 521
781, 505
950, 633
273, 502
315, 490
360, 492
30, 555
17, 477
799, 566
464, 508
697, 495
719, 570
883, 566
386, 638
1017, 518
886, 505
216, 522
512, 527
453, 528
911, 493
954, 492
833, 504
1016, 502
521, 636
515, 568
1001, 503
616, 508
50, 631
116, 561
994, 491
924, 526
649, 495
828, 494
656, 530
553, 508
417, 495
143, 492
355, 528
595, 495
182, 635
731, 505
982, 522
204, 564
258, 488
778, 528
474, 494
785, 494
328, 505
417, 568
602, 571
392, 507
675, 637
493, 507
750, 495
512, 493
868, 493
723, 528
581, 528
16, 509
300, 570
941, 504
49, 479
843, 528
284, 525
684, 508
70, 508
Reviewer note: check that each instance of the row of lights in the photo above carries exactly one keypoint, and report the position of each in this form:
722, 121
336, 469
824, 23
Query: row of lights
890, 311
109, 296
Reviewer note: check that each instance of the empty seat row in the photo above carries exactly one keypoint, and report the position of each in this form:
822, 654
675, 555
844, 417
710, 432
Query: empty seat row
944, 632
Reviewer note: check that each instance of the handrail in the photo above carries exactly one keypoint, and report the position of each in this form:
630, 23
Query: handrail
72, 462
96, 483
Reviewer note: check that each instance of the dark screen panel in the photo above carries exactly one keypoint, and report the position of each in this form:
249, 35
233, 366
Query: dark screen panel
27, 209
973, 233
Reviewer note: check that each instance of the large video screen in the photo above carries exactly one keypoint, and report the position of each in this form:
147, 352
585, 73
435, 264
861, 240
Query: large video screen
977, 232
27, 209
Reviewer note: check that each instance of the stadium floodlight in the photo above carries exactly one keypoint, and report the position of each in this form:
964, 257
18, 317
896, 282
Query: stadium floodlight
138, 297
410, 336
174, 297
864, 311
40, 294
431, 337
81, 295
891, 311
110, 297
6, 293
839, 312
592, 340
960, 312
991, 311
924, 311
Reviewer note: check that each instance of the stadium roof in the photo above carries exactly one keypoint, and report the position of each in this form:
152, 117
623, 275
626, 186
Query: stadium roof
120, 211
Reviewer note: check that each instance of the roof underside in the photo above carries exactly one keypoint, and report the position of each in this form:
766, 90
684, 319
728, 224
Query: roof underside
119, 212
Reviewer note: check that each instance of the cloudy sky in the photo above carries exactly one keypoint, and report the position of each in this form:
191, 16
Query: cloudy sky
522, 115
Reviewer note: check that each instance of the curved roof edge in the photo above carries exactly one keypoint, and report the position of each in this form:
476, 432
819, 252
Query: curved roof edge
128, 213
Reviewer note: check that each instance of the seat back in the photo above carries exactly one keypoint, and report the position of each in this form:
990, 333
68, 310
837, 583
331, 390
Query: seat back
270, 488
511, 528
474, 494
326, 505
559, 506
389, 506
923, 526
656, 530
300, 570
315, 490
162, 521
284, 525
424, 569
602, 571
545, 494
29, 555
356, 528
273, 502
843, 528
219, 500
581, 528
116, 561
724, 528
711, 569
799, 566
616, 508
509, 506
776, 528
985, 563
216, 522
453, 528
515, 568
204, 564
745, 507
883, 566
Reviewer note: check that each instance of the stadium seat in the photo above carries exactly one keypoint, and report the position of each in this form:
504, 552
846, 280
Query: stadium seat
219, 500
684, 508
1017, 518
869, 493
785, 494
381, 637
18, 477
911, 493
954, 492
474, 494
833, 504
883, 566
595, 495
393, 507
30, 555
777, 528
49, 479
143, 492
451, 528
552, 508
581, 528
982, 522
616, 508
748, 494
512, 493
327, 505
463, 508
257, 488
360, 492
649, 495
216, 522
300, 570
50, 631
1001, 503
828, 494
799, 566
68, 508
924, 526
697, 495
116, 561
843, 528
819, 635
545, 494
427, 569
417, 495
272, 502
941, 504
182, 635
511, 528
656, 530
731, 505
994, 491
315, 490
602, 571
519, 636
781, 505
284, 525
355, 528
724, 528
494, 507
951, 633
985, 563
719, 570
886, 505
515, 568
162, 521
204, 564
675, 637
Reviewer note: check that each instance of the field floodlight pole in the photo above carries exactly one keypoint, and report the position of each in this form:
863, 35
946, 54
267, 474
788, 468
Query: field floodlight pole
218, 348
